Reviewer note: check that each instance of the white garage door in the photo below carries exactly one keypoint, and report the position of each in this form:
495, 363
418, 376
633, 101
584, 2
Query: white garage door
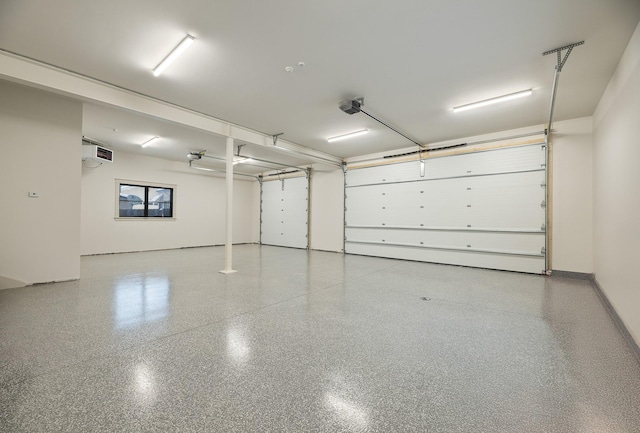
484, 209
284, 210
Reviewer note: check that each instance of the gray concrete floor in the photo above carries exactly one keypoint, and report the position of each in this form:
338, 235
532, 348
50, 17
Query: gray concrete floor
310, 342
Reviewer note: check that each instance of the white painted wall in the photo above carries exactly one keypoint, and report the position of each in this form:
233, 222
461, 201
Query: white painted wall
617, 188
199, 208
572, 228
40, 136
327, 210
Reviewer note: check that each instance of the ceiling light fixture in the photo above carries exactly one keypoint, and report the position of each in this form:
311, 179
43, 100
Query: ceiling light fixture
349, 135
174, 54
149, 141
491, 101
241, 160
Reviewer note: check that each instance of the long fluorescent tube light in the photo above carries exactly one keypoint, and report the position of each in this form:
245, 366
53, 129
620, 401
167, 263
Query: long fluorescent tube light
349, 135
149, 141
181, 48
241, 160
204, 169
491, 101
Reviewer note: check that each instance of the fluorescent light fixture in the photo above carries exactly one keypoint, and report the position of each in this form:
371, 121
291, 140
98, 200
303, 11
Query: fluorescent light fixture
181, 48
241, 160
491, 101
149, 141
349, 135
203, 168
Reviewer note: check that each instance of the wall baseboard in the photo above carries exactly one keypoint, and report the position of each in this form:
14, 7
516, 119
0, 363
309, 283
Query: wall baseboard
327, 251
166, 249
574, 275
617, 319
10, 283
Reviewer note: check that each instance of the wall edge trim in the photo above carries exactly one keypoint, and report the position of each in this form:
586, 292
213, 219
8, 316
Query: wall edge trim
633, 344
573, 275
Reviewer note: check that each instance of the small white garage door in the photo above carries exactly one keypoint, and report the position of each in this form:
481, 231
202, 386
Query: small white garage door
284, 212
484, 209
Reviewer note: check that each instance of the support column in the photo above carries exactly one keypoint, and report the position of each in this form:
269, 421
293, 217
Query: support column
228, 245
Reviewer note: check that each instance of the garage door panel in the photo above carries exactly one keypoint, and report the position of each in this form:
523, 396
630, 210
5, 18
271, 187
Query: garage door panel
493, 201
534, 265
523, 158
511, 201
527, 243
284, 212
450, 214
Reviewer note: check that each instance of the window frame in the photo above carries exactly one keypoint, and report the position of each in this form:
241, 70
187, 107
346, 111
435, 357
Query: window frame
146, 186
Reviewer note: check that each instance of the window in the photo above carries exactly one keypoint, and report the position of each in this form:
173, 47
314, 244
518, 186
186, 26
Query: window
145, 200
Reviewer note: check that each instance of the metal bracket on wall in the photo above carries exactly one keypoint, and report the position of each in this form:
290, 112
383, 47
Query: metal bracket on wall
281, 180
422, 163
344, 207
260, 180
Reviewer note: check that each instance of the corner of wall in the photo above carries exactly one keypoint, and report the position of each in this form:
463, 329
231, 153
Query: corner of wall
572, 196
40, 233
616, 183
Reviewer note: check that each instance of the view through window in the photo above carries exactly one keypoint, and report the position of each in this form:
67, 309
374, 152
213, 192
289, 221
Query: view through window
145, 201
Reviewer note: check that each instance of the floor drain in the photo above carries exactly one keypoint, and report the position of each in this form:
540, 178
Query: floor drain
424, 298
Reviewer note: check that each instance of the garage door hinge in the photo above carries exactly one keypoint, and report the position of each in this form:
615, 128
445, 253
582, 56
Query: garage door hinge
543, 184
543, 203
543, 250
543, 227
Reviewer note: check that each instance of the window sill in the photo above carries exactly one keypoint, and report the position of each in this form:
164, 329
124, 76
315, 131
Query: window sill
145, 218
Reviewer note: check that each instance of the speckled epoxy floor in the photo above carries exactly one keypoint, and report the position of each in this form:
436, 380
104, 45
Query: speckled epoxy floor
310, 342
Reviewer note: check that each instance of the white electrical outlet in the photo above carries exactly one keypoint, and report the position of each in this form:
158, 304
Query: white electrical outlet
34, 194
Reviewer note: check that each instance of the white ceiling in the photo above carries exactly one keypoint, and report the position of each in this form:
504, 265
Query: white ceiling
412, 60
176, 141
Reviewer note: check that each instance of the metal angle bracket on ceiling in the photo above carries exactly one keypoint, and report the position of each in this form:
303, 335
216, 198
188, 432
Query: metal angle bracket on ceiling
560, 64
561, 60
274, 137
